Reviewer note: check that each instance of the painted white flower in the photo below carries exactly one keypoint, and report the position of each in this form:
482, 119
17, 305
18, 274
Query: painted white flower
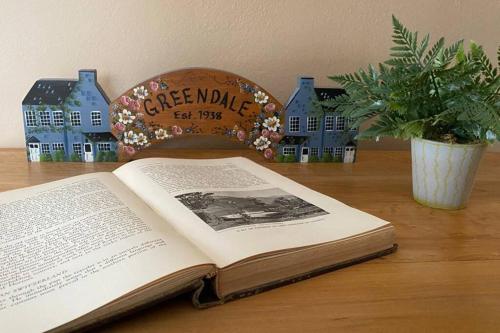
126, 117
261, 97
140, 92
129, 138
161, 134
142, 139
261, 143
272, 123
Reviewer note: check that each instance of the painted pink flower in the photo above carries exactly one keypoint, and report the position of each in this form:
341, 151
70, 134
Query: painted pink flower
125, 100
153, 85
268, 153
134, 105
270, 107
129, 150
275, 136
265, 133
120, 127
241, 135
176, 130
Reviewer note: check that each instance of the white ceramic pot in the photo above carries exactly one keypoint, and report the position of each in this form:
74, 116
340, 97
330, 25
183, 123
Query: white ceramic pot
443, 174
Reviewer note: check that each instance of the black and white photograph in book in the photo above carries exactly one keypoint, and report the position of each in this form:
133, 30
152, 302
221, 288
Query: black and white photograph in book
229, 209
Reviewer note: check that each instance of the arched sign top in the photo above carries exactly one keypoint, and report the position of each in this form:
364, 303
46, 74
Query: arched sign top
195, 101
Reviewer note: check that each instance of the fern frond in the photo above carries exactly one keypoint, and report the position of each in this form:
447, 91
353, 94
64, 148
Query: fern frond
450, 53
483, 62
423, 46
498, 56
407, 42
433, 53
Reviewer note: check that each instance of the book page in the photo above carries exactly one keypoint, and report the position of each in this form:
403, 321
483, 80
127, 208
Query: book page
234, 208
71, 246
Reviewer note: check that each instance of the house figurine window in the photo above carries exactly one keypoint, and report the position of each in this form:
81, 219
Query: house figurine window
58, 118
329, 121
95, 117
289, 151
77, 149
45, 118
328, 150
30, 119
314, 151
58, 146
75, 118
338, 152
45, 148
104, 146
340, 123
294, 124
312, 124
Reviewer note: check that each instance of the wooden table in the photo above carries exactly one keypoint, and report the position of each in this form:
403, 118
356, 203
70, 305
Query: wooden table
444, 277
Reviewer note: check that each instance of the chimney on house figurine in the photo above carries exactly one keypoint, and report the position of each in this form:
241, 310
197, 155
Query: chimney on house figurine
89, 75
305, 82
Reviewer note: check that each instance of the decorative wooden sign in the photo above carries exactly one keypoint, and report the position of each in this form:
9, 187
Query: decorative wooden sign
196, 101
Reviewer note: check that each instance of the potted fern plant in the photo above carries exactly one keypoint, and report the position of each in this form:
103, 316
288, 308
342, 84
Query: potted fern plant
443, 98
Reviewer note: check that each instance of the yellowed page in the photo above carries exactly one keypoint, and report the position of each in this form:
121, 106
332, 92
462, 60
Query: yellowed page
234, 208
71, 246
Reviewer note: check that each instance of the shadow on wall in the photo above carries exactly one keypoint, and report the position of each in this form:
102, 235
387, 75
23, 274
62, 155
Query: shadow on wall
384, 144
219, 142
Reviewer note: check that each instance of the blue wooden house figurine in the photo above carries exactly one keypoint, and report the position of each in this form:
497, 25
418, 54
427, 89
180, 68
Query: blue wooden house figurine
313, 132
67, 120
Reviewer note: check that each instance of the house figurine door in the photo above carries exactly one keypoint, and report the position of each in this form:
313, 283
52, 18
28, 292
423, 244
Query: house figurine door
304, 156
89, 155
349, 154
34, 149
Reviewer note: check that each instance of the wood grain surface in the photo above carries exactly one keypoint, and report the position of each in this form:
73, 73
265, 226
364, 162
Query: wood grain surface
444, 277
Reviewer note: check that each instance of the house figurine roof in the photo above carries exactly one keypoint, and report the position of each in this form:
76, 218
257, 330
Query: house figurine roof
49, 92
321, 93
55, 91
328, 93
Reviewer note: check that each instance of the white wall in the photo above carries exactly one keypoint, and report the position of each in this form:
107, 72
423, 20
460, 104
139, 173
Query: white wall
267, 41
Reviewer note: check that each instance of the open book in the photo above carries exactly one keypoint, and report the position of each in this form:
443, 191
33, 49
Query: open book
80, 250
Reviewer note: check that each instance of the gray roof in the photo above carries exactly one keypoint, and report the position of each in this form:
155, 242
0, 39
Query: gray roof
49, 92
328, 93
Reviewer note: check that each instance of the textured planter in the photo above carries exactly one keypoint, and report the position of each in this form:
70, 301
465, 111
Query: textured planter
443, 174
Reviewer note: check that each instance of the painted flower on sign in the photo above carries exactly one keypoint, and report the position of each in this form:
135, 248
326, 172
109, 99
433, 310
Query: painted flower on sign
120, 127
261, 143
241, 135
271, 107
125, 100
162, 134
129, 150
126, 117
275, 137
176, 130
272, 123
134, 105
129, 138
153, 85
261, 97
140, 92
142, 139
268, 153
